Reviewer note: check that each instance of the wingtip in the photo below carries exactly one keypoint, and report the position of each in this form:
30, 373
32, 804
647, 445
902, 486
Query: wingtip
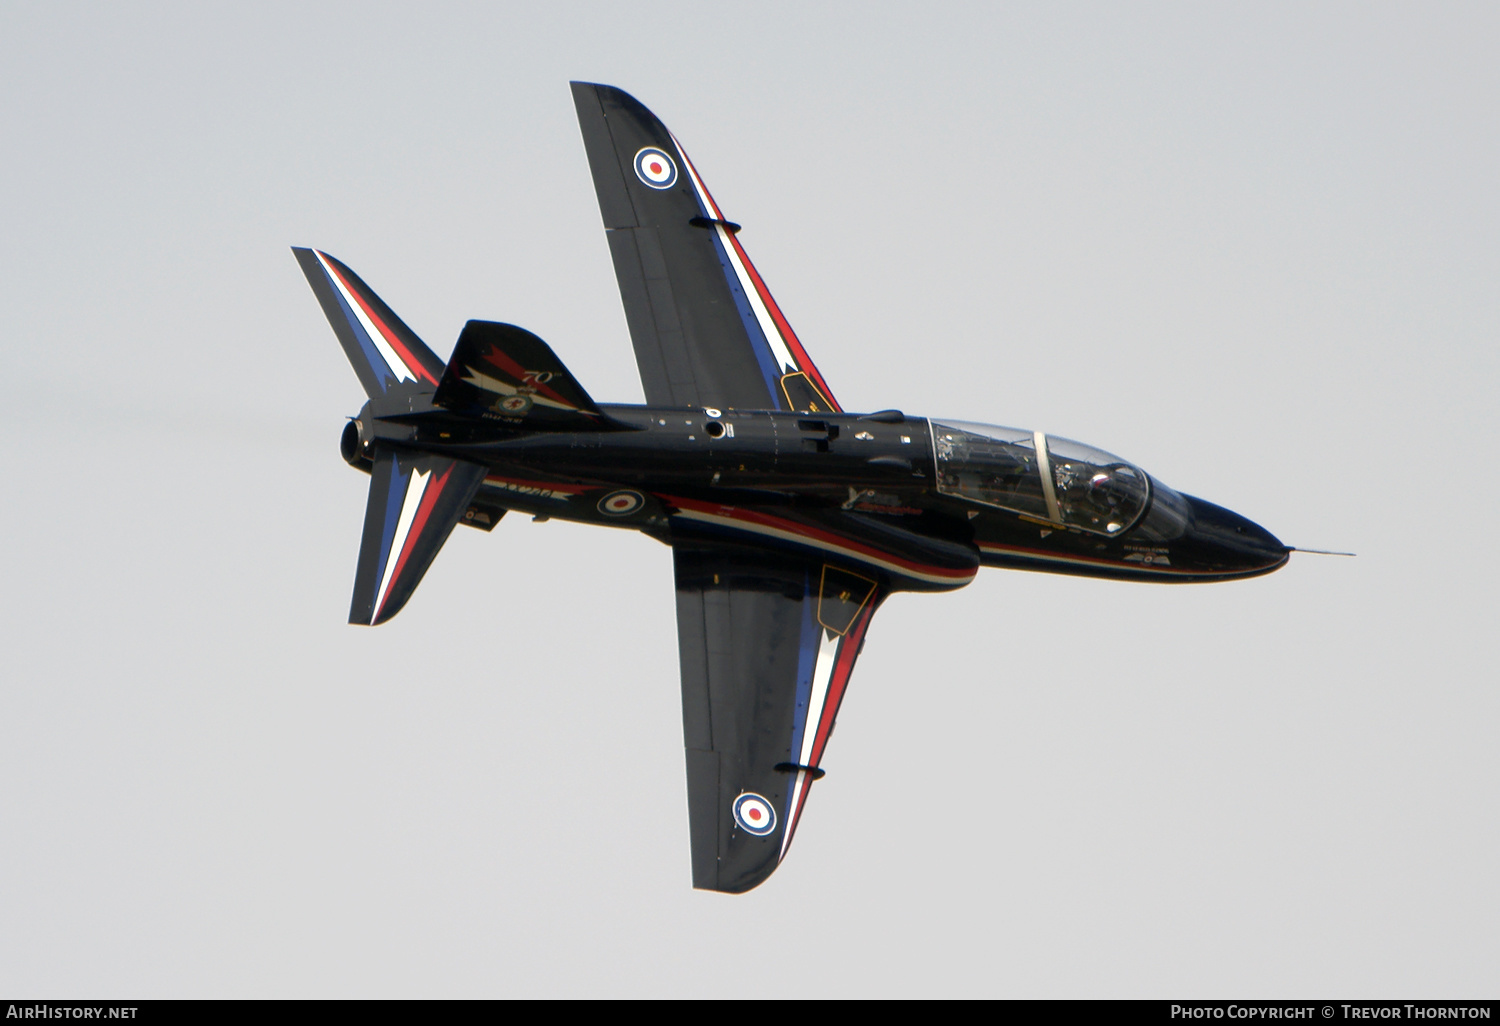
744, 883
600, 90
309, 254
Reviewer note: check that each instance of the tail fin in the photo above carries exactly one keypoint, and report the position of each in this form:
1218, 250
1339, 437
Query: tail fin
415, 500
384, 351
500, 370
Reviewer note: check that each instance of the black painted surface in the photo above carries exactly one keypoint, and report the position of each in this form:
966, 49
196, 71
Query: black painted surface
690, 344
752, 497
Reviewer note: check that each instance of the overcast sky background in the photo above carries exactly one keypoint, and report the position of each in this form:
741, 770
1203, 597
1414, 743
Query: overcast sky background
1253, 249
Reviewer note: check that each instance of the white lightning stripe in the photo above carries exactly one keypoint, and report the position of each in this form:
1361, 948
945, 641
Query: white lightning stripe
397, 365
499, 387
767, 324
802, 539
828, 653
747, 286
791, 814
698, 185
414, 489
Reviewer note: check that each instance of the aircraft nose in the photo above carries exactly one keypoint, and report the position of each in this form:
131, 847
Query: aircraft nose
1236, 544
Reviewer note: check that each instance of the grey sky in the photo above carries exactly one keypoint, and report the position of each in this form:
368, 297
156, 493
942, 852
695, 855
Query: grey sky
1252, 249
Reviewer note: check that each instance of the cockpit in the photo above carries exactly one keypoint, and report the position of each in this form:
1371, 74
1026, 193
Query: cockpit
1040, 476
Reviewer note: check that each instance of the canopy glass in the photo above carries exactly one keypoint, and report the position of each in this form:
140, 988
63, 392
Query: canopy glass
1047, 478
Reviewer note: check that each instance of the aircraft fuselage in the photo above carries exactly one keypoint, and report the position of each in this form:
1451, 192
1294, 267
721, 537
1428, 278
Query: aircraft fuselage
868, 488
790, 522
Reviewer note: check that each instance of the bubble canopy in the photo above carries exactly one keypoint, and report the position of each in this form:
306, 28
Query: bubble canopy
1041, 476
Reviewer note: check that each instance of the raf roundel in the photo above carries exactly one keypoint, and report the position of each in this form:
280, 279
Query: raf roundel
754, 814
621, 503
655, 168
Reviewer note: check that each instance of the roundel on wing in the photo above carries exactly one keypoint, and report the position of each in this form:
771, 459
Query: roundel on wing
655, 168
621, 503
754, 814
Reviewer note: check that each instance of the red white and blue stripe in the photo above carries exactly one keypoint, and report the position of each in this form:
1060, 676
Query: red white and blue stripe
409, 505
392, 357
825, 543
776, 346
825, 661
516, 381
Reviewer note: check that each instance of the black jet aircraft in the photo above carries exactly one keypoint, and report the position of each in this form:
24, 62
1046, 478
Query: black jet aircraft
790, 520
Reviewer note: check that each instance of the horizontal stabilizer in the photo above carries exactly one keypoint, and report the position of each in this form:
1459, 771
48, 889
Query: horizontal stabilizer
415, 500
500, 371
384, 351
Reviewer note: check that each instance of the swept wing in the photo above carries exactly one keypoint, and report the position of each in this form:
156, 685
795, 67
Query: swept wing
767, 641
705, 328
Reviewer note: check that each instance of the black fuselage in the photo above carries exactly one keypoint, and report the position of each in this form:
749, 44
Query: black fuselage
862, 487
